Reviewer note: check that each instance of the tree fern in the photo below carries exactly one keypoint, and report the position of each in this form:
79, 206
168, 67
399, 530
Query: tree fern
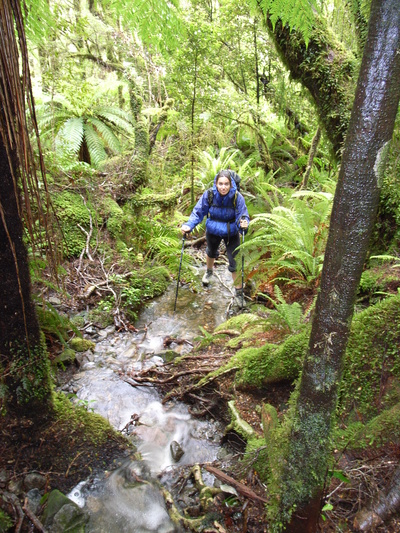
76, 119
95, 145
211, 163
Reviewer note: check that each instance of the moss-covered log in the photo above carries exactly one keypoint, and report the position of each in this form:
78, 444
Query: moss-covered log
325, 68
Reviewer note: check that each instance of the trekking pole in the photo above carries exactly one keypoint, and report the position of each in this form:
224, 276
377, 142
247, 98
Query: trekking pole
242, 270
179, 272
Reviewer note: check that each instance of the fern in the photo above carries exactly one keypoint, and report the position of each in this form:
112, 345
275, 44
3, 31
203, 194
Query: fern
290, 240
298, 14
289, 314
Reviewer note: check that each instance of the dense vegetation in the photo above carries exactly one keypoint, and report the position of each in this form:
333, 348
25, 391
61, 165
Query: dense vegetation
137, 110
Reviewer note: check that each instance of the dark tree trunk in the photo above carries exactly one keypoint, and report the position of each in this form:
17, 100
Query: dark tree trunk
24, 363
353, 215
23, 358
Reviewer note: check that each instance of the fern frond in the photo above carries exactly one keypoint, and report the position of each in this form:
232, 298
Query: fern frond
110, 139
298, 14
95, 145
72, 133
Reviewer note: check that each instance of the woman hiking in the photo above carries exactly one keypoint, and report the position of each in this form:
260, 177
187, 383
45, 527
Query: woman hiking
227, 215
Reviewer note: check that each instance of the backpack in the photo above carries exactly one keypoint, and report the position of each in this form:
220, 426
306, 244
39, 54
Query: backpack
234, 176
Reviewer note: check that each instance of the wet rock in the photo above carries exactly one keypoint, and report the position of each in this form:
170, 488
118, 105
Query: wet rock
34, 481
84, 357
33, 500
176, 451
69, 518
62, 514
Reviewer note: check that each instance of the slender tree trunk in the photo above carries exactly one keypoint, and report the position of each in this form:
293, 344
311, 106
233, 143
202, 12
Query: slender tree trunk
24, 364
311, 155
353, 215
23, 358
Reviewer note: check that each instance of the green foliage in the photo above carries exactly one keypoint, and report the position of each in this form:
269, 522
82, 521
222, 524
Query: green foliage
298, 15
82, 126
210, 162
53, 323
291, 315
290, 241
29, 375
383, 428
5, 521
134, 291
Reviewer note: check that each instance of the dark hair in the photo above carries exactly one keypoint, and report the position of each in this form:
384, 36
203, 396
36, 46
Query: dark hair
224, 174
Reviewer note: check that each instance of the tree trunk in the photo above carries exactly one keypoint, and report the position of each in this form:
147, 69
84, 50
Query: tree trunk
353, 215
24, 363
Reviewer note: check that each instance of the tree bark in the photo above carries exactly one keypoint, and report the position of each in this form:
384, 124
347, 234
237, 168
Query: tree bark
353, 215
23, 358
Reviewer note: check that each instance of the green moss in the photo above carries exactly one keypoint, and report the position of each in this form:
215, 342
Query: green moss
371, 356
65, 357
380, 430
81, 345
114, 216
72, 213
238, 322
5, 521
96, 429
237, 424
270, 362
248, 338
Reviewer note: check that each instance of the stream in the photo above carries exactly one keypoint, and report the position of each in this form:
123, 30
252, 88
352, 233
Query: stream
129, 498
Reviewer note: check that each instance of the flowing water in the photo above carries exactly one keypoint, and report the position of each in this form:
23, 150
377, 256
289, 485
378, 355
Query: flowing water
167, 437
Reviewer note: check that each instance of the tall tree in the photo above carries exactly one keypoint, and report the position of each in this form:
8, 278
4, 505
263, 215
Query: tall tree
357, 194
24, 363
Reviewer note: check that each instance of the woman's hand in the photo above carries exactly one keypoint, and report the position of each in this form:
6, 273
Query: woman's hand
185, 229
244, 223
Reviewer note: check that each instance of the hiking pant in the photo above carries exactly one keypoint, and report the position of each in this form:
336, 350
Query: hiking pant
231, 243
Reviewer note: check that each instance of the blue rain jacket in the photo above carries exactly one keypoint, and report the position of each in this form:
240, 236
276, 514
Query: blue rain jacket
222, 216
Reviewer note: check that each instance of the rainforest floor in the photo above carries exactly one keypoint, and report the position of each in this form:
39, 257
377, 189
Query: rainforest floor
64, 457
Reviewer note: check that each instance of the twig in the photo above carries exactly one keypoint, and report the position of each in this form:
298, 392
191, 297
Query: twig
72, 462
32, 517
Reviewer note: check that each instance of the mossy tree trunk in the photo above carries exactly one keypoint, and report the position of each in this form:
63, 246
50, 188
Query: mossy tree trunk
353, 215
24, 361
325, 68
24, 367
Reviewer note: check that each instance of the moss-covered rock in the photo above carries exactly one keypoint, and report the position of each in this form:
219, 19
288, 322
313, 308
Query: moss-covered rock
270, 363
371, 359
72, 213
67, 356
62, 514
81, 345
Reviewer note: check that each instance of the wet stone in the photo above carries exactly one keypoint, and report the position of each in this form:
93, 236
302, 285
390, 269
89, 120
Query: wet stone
176, 451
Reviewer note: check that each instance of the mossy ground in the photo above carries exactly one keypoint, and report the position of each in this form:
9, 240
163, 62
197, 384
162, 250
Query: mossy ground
66, 447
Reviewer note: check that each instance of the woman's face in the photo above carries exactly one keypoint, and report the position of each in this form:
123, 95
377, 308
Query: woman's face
223, 185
